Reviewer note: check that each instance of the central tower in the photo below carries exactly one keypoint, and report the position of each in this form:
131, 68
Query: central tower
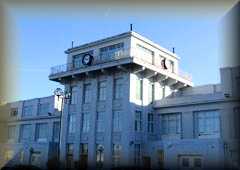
113, 83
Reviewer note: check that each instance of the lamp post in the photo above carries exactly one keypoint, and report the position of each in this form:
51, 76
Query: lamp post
100, 150
64, 95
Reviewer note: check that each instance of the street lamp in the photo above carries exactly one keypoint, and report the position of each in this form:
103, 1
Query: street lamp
100, 150
64, 95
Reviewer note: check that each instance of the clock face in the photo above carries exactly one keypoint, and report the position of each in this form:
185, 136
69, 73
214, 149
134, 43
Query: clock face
87, 59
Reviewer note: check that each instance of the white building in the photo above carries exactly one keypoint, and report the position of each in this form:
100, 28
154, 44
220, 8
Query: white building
131, 106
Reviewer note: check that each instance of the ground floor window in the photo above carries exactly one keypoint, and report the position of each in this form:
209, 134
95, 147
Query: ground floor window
69, 159
116, 155
83, 156
35, 159
137, 154
190, 162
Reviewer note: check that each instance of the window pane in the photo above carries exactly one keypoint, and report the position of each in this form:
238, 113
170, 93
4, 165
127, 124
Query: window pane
41, 132
27, 111
87, 93
85, 122
102, 90
43, 109
116, 121
26, 133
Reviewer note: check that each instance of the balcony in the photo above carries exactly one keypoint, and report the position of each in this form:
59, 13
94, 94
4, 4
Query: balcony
146, 65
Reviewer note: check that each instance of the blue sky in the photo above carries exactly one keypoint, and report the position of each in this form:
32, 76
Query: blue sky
41, 39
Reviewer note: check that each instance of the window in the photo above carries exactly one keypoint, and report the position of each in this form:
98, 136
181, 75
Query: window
138, 121
14, 112
41, 132
87, 93
100, 122
207, 123
26, 133
102, 90
116, 155
71, 124
150, 92
84, 148
99, 155
118, 88
27, 111
21, 156
171, 63
171, 124
83, 156
74, 95
70, 162
11, 132
150, 122
116, 121
77, 59
43, 109
137, 154
56, 131
85, 122
112, 52
139, 88
8, 155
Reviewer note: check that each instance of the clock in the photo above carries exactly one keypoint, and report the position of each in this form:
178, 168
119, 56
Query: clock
87, 59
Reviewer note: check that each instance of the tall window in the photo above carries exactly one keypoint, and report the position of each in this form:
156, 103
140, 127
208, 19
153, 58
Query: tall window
207, 123
74, 95
100, 121
137, 154
139, 88
112, 52
27, 111
87, 93
26, 133
11, 132
118, 88
85, 122
70, 162
116, 155
83, 156
56, 131
71, 124
43, 109
116, 121
102, 90
41, 132
150, 122
171, 63
14, 112
171, 124
138, 121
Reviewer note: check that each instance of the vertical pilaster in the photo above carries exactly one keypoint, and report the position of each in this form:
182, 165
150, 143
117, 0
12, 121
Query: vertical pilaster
92, 129
78, 121
63, 132
108, 123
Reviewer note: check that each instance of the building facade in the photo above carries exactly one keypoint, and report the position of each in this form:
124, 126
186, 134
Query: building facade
130, 106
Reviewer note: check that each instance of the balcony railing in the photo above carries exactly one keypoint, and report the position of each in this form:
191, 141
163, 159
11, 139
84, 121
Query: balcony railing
104, 58
114, 56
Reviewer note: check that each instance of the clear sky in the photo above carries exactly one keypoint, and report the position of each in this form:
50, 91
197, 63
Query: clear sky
42, 37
